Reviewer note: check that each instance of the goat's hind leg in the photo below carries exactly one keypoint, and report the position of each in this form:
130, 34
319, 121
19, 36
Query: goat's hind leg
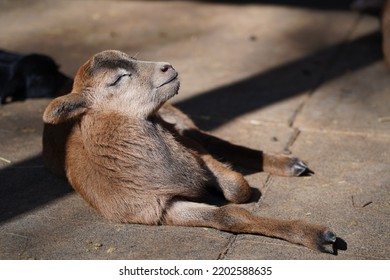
233, 218
231, 183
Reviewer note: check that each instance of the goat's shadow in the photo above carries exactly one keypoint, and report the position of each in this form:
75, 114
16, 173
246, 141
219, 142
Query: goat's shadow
28, 185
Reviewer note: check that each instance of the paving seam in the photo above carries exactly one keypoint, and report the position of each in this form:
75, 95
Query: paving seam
375, 135
228, 247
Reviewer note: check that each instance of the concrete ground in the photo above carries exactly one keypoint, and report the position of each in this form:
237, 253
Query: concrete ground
306, 78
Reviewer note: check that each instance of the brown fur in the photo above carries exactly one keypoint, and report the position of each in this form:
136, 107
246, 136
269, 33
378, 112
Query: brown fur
137, 159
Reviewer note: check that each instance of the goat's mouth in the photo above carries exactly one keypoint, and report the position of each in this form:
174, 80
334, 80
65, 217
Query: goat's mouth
171, 79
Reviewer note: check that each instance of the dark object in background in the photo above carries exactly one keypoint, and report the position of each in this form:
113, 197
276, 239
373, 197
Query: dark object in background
30, 76
382, 8
385, 21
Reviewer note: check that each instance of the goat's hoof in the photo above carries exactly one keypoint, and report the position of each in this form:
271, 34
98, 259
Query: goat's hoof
298, 167
329, 237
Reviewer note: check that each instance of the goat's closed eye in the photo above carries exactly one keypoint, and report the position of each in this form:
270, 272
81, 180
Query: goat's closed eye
118, 79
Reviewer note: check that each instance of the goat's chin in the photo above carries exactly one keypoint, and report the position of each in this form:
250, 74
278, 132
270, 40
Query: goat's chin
165, 93
152, 109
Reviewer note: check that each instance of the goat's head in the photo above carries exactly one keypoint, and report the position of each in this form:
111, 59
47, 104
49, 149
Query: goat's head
113, 81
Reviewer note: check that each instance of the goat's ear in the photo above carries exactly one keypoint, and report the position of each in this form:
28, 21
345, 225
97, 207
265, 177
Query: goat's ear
65, 108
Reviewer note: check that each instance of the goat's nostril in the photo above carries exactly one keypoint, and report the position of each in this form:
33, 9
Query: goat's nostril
165, 67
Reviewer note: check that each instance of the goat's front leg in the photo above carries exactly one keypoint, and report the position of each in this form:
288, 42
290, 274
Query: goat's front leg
276, 164
180, 123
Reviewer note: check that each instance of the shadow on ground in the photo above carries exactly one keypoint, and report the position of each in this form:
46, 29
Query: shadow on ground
28, 185
226, 103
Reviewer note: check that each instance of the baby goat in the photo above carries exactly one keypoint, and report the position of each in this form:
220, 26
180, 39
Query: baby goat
137, 159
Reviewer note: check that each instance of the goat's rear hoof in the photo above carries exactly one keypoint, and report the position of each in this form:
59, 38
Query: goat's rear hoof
329, 237
331, 243
325, 240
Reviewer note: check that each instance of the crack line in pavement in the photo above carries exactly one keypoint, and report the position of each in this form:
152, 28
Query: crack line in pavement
375, 135
291, 141
228, 247
267, 183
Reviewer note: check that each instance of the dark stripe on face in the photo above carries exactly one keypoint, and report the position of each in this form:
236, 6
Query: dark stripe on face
111, 64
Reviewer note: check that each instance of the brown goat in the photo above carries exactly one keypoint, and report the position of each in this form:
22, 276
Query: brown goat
137, 159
